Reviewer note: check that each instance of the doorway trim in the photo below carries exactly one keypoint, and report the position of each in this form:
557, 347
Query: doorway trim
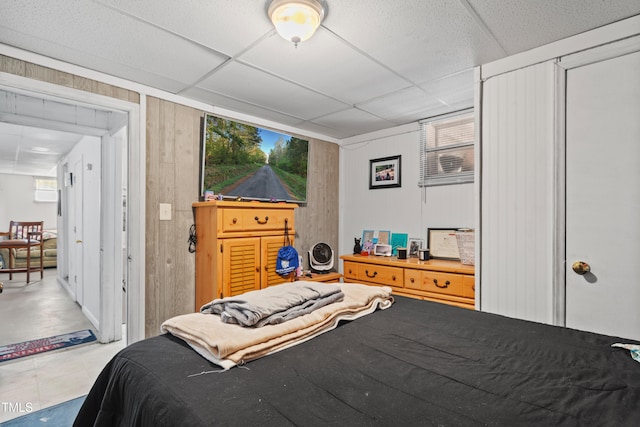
135, 212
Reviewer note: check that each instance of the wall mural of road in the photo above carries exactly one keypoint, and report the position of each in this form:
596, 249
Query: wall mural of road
241, 160
264, 183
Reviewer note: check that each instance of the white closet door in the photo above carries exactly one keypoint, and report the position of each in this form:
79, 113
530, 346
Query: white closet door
603, 197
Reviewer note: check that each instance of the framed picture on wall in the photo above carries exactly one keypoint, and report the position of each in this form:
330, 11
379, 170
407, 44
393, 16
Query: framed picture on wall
442, 243
385, 172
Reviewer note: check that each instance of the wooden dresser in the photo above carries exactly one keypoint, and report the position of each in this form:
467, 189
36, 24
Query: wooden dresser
448, 282
236, 246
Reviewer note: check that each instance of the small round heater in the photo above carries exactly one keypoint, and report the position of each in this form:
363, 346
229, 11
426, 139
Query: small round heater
321, 258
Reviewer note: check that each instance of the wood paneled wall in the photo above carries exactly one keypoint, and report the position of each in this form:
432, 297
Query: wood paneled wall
172, 145
317, 221
173, 141
61, 78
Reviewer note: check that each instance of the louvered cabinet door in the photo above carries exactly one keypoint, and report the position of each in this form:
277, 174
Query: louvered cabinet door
270, 246
240, 265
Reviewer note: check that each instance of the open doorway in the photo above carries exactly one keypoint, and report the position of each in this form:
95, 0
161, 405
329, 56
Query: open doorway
119, 137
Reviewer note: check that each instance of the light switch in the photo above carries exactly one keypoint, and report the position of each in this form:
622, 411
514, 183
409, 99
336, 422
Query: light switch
165, 212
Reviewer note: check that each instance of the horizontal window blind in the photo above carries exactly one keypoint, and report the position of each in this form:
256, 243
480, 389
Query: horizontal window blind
45, 189
447, 150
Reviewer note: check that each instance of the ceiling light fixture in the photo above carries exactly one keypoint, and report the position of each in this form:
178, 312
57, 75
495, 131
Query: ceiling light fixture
296, 20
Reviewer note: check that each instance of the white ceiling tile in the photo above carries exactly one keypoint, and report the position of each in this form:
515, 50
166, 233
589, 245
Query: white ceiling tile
106, 40
326, 64
205, 21
521, 25
456, 89
419, 39
17, 143
353, 122
318, 129
245, 83
415, 102
225, 102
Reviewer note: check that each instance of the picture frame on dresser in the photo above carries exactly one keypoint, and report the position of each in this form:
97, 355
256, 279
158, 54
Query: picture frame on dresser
442, 243
398, 240
385, 172
382, 250
414, 246
367, 240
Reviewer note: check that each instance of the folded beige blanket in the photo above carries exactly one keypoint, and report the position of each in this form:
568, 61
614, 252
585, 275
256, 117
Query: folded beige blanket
275, 304
227, 344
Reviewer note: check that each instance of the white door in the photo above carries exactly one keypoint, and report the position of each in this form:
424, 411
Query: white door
603, 197
76, 261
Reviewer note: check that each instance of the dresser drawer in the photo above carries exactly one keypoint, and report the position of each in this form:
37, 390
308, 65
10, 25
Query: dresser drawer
390, 276
413, 279
468, 286
248, 220
351, 270
442, 283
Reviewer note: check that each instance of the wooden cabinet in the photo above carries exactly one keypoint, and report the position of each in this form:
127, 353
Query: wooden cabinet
448, 282
236, 246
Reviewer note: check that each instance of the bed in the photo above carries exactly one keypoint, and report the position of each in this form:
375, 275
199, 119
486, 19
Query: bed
415, 363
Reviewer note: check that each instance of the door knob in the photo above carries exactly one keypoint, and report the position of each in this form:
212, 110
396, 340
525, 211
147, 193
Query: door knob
581, 267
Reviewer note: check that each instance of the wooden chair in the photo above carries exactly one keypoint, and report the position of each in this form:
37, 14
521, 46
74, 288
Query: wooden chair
23, 235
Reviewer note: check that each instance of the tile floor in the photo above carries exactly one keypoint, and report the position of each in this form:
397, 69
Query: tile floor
38, 310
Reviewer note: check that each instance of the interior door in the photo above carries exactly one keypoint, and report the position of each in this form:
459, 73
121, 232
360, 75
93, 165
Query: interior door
603, 197
76, 261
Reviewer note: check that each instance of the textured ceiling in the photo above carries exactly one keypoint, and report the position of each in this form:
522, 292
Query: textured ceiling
372, 64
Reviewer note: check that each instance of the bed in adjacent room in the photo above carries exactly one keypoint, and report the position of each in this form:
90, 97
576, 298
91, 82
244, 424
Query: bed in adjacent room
415, 363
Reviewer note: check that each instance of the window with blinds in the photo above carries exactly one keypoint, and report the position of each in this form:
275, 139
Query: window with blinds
447, 150
45, 189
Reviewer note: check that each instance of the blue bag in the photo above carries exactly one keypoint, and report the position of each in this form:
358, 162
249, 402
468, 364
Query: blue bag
287, 260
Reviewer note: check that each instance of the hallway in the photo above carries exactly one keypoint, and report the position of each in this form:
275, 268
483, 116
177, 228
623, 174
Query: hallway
38, 310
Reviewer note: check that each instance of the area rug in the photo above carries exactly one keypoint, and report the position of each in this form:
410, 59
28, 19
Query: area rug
29, 348
60, 415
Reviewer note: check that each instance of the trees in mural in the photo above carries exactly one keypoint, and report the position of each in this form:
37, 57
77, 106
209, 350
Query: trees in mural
233, 152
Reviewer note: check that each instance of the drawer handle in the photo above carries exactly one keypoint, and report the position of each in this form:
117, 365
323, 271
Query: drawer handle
412, 280
393, 278
235, 220
375, 273
350, 271
473, 288
446, 284
266, 218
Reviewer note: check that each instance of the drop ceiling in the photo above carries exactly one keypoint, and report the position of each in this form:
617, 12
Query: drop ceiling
372, 64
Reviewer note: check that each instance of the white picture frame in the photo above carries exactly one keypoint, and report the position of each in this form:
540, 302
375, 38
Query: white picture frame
382, 250
414, 246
